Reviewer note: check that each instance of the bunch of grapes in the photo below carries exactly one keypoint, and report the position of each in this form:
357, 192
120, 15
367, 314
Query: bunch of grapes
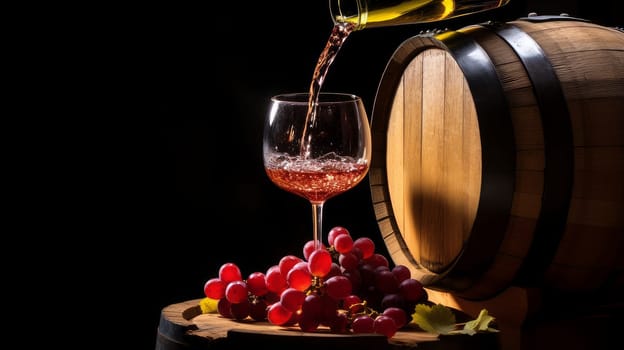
348, 288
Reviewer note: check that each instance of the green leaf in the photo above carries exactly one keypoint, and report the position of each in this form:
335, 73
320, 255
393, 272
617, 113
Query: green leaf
434, 319
481, 323
208, 306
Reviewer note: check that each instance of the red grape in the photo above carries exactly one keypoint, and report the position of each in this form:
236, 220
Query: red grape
350, 300
214, 288
340, 323
343, 244
311, 307
348, 261
356, 279
292, 299
377, 260
308, 323
335, 232
366, 245
392, 300
385, 325
398, 315
236, 292
258, 309
299, 276
363, 324
320, 262
277, 314
294, 318
338, 287
357, 251
367, 274
256, 283
286, 263
229, 272
386, 282
335, 270
240, 310
275, 282
401, 272
271, 297
329, 310
411, 290
308, 248
223, 307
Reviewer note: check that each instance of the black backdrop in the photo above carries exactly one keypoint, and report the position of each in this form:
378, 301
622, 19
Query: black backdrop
185, 190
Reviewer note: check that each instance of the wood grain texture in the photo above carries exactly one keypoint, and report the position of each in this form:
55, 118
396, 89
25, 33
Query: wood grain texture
183, 326
428, 169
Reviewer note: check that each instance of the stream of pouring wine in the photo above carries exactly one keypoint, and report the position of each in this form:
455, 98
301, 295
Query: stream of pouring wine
338, 35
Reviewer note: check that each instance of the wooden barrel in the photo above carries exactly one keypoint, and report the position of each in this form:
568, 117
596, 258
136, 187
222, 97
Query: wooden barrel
499, 157
183, 327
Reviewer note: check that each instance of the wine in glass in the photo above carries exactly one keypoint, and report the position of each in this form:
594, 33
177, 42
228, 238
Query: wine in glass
316, 148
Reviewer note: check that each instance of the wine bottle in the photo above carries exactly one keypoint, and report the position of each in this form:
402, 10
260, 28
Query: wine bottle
381, 13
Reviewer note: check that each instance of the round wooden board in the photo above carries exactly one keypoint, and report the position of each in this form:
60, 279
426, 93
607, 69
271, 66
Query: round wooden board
183, 326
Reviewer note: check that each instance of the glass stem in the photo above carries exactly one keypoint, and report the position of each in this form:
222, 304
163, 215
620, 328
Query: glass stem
317, 224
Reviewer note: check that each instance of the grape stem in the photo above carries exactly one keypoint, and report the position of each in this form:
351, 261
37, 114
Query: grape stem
365, 310
316, 285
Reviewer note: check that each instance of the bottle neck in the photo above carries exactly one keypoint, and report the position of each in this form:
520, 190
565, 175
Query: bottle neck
353, 12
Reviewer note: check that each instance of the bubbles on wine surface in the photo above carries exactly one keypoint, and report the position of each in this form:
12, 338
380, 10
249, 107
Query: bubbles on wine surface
330, 161
315, 179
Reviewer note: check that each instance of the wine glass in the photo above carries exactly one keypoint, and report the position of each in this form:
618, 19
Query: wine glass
316, 147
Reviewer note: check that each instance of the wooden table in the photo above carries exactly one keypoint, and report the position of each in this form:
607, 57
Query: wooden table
183, 326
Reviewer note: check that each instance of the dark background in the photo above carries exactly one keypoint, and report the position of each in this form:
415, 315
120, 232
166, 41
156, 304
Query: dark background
179, 182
